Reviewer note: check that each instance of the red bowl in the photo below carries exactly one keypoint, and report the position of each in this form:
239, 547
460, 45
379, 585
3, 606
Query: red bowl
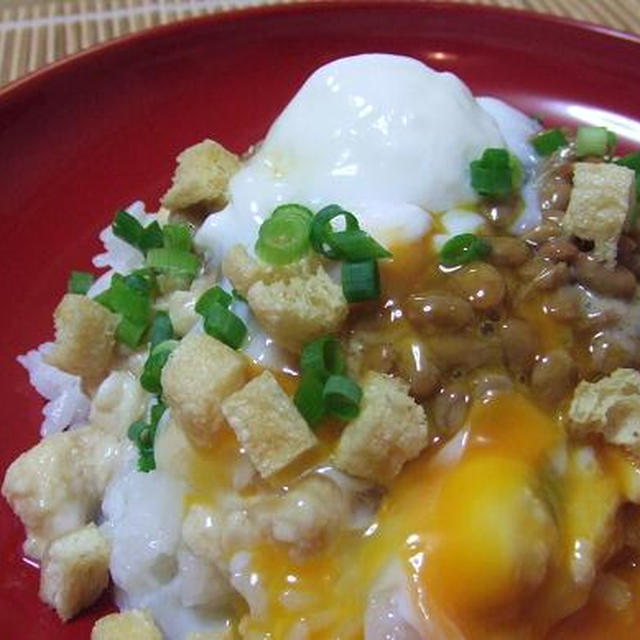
99, 130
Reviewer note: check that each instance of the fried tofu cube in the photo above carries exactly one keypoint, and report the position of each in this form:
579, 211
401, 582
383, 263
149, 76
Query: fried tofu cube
601, 199
201, 177
85, 338
244, 270
299, 310
56, 487
611, 407
128, 625
267, 424
200, 373
390, 430
75, 571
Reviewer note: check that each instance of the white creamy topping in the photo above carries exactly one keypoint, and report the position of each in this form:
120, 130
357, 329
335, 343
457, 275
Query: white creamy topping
382, 135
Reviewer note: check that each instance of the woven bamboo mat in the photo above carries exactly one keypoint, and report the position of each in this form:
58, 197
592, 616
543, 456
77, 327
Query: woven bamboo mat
34, 33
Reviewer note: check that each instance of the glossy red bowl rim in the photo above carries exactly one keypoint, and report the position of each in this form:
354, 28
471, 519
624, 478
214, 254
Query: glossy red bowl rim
15, 88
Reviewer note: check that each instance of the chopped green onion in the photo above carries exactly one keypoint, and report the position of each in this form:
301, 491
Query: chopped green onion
132, 304
151, 374
177, 236
322, 229
161, 329
127, 228
355, 246
631, 161
342, 397
592, 141
143, 435
517, 171
157, 411
497, 173
215, 295
308, 398
130, 333
151, 237
293, 210
121, 298
612, 141
143, 281
464, 248
80, 282
283, 238
322, 357
546, 142
225, 325
360, 280
135, 430
174, 262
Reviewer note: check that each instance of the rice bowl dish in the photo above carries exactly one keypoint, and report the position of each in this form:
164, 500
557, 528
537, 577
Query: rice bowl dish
376, 378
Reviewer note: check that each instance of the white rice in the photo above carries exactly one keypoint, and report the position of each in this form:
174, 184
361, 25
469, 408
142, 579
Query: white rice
143, 520
67, 405
119, 255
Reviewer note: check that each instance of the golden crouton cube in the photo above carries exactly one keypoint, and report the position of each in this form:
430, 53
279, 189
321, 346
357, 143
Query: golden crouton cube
85, 338
65, 473
128, 625
601, 199
299, 310
244, 270
611, 407
390, 430
200, 373
267, 424
201, 177
75, 571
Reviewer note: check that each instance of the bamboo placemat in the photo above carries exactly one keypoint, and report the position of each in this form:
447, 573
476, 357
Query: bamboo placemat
34, 33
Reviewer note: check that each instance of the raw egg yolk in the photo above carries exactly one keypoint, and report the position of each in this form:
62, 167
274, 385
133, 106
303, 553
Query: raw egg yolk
493, 546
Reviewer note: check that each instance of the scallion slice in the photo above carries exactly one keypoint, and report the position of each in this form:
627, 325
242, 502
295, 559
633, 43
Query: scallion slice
464, 248
322, 357
130, 333
360, 280
80, 282
225, 325
546, 142
127, 228
342, 397
356, 245
151, 374
309, 400
293, 210
284, 238
592, 141
143, 281
213, 296
157, 411
174, 262
136, 429
131, 303
631, 161
177, 236
497, 173
161, 329
322, 228
151, 237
